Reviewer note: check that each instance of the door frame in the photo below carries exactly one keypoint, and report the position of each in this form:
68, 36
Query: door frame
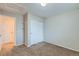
25, 29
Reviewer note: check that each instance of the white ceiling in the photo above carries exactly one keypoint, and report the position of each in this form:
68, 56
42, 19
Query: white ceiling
50, 9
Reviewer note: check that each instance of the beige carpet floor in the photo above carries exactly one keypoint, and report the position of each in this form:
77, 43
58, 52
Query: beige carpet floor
40, 49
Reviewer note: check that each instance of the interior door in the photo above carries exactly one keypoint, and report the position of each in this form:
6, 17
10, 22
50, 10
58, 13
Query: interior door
7, 31
36, 31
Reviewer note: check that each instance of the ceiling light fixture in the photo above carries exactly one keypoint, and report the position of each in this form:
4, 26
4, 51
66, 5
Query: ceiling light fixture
43, 3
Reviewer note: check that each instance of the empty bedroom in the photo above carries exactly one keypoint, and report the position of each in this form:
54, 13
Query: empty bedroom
39, 29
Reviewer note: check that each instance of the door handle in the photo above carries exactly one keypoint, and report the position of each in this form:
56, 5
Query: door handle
30, 33
0, 35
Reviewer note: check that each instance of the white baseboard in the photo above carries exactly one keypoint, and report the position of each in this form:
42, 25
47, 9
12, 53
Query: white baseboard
62, 46
18, 44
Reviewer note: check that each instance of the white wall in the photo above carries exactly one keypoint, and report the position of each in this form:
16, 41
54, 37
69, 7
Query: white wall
35, 30
63, 30
19, 30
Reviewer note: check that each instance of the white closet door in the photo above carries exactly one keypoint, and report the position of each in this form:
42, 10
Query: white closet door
36, 31
7, 31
